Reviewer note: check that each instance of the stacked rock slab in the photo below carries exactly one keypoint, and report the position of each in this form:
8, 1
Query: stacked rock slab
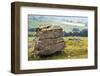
49, 40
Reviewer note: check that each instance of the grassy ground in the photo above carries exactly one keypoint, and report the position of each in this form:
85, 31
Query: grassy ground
73, 49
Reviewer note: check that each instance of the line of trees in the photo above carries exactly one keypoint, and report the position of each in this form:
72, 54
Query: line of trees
74, 32
77, 32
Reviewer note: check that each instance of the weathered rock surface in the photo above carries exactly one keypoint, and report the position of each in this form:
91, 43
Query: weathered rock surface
49, 40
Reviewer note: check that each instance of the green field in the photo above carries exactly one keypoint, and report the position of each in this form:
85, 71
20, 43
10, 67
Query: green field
73, 49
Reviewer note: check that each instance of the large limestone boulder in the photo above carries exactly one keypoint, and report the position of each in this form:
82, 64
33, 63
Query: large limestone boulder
49, 40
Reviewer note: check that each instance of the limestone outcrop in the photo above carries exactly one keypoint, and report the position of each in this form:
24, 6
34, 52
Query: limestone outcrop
49, 40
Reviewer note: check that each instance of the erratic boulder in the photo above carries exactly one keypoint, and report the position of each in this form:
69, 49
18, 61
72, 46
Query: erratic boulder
49, 40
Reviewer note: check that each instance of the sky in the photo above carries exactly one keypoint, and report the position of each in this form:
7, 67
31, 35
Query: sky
64, 21
81, 19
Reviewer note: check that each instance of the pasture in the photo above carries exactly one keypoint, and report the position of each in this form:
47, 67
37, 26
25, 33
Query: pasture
74, 49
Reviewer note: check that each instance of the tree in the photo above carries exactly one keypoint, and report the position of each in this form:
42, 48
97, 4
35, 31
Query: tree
84, 32
32, 29
75, 30
65, 33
